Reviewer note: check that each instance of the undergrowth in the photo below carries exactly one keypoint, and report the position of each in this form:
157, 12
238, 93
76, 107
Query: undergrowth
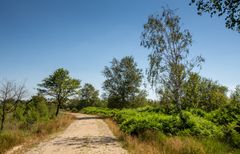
154, 131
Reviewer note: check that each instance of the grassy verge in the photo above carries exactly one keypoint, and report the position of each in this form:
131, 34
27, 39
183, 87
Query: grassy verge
39, 131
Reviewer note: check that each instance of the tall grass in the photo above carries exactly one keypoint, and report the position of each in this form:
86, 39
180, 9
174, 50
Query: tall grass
9, 139
13, 135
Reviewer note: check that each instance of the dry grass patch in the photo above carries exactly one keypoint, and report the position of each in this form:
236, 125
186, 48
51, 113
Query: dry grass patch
38, 132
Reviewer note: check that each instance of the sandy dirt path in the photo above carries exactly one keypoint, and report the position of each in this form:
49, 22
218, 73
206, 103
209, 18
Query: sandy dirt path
86, 135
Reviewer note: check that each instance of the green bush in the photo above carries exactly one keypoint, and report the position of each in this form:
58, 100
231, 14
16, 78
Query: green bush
232, 134
225, 115
18, 114
138, 123
199, 126
198, 112
194, 122
151, 109
36, 110
99, 111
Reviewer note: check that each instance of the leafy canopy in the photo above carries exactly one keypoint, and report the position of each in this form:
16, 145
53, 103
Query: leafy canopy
204, 93
89, 94
60, 86
123, 81
228, 8
235, 96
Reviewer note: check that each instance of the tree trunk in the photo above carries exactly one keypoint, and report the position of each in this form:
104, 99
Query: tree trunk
179, 104
58, 107
178, 99
3, 116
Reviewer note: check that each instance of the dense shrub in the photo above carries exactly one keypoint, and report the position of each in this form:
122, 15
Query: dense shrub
144, 121
198, 112
36, 110
18, 114
226, 114
99, 111
151, 109
199, 126
232, 134
220, 124
136, 121
75, 105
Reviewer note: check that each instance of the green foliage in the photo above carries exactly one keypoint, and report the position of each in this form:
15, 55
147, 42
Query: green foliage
144, 121
99, 111
123, 81
60, 86
228, 117
195, 125
36, 110
235, 96
232, 134
19, 113
222, 125
136, 121
150, 109
115, 102
228, 8
225, 115
75, 105
198, 112
203, 93
89, 95
169, 62
31, 119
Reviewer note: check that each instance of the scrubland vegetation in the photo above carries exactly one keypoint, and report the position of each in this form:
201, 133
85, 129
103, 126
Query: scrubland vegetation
193, 114
30, 122
190, 131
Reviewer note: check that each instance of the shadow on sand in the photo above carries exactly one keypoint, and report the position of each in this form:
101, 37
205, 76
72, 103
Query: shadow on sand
89, 118
90, 141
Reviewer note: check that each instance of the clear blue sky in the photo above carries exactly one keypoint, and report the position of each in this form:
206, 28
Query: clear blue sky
39, 36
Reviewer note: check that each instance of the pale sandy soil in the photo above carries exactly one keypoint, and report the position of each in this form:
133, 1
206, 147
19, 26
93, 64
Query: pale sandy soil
86, 135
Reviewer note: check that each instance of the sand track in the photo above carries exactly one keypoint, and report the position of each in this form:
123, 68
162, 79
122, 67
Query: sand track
86, 135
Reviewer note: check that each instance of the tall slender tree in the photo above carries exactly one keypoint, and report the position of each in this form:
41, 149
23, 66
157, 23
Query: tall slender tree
169, 62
